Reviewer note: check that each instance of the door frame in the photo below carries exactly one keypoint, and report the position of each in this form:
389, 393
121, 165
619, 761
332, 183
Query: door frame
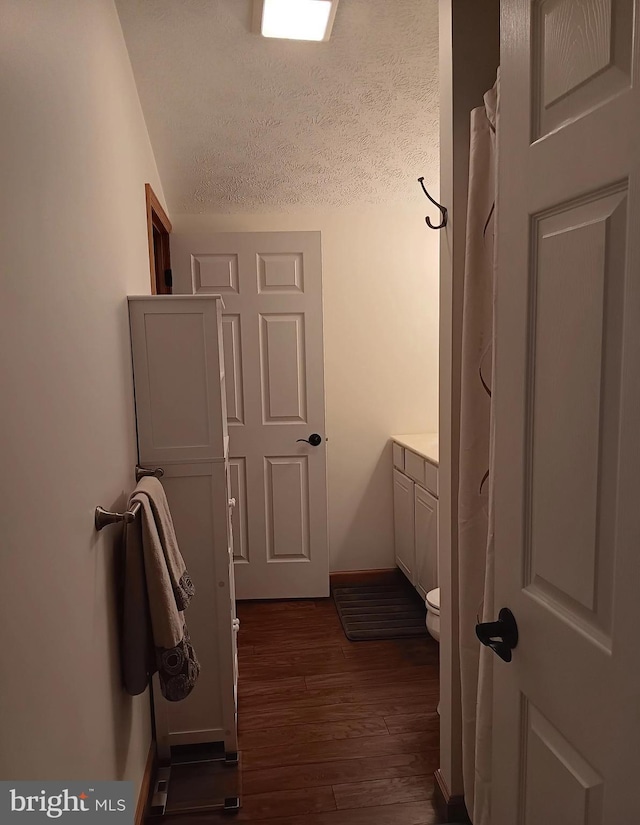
158, 230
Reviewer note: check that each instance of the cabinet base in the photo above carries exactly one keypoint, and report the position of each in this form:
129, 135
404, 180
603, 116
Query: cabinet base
196, 786
231, 805
231, 758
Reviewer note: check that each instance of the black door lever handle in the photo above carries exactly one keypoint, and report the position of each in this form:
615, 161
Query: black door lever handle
500, 636
314, 439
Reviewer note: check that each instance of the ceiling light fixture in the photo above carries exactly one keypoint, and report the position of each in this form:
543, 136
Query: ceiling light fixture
294, 19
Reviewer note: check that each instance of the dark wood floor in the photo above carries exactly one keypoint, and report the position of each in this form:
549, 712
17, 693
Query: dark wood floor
333, 732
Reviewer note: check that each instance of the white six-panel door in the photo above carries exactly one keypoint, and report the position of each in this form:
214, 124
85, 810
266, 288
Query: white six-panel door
271, 283
567, 393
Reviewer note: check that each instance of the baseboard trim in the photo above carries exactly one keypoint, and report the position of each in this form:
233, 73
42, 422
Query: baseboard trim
450, 808
145, 785
350, 578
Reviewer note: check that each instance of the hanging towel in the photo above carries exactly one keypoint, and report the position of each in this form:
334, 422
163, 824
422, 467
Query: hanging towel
157, 592
138, 651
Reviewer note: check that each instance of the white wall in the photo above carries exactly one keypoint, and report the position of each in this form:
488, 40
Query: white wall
75, 155
380, 276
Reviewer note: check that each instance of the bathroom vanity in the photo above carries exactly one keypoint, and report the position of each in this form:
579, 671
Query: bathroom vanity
415, 508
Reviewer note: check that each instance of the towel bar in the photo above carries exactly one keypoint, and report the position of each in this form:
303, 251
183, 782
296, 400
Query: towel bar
142, 472
104, 517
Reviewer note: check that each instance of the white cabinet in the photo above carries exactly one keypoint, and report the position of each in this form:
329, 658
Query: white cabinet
179, 377
403, 505
181, 419
415, 515
426, 540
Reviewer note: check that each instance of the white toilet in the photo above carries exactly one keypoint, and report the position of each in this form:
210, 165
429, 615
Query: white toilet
433, 613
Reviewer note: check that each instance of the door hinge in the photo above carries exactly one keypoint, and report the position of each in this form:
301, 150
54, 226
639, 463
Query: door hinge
168, 278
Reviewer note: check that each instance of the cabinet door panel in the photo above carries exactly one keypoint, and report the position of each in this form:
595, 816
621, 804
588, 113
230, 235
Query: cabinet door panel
197, 498
179, 378
403, 524
426, 540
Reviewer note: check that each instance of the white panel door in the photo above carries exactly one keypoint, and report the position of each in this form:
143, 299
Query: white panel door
567, 394
271, 283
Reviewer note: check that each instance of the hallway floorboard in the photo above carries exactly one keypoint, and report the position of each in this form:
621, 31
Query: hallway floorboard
333, 732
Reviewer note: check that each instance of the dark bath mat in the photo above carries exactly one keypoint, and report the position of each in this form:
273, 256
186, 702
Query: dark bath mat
376, 612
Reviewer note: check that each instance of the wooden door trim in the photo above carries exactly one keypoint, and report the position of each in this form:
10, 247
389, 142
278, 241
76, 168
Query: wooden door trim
450, 808
158, 218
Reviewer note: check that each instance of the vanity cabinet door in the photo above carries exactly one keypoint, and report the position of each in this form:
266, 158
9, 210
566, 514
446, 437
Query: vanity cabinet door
426, 540
403, 505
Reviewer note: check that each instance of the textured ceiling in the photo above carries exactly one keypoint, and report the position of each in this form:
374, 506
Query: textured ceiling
240, 123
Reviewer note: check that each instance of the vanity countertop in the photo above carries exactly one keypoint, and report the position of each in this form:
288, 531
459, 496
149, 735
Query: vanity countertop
424, 444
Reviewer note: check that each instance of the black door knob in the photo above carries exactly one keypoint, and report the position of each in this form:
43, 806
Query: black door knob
314, 439
500, 636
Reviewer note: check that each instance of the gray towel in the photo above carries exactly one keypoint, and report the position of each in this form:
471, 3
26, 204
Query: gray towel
138, 651
155, 598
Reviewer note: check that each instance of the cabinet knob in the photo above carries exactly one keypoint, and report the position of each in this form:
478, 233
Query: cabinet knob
232, 503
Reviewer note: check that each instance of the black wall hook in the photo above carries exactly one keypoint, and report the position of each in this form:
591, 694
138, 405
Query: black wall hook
442, 209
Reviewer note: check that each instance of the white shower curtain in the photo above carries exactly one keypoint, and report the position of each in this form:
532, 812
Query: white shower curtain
475, 510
